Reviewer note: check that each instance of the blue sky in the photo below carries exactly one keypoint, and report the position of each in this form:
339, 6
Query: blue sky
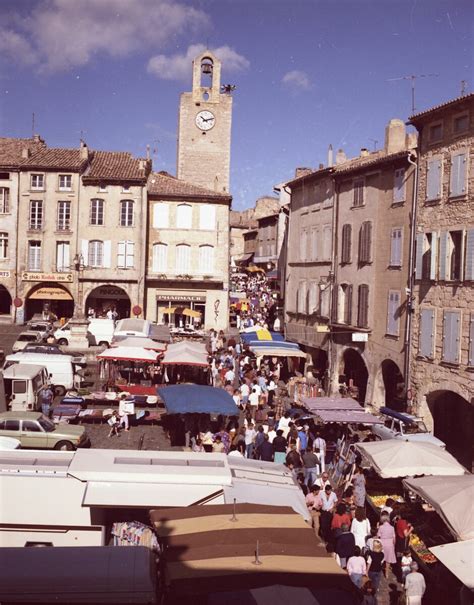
308, 73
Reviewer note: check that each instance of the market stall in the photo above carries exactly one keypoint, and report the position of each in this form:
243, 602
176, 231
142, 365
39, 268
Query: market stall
138, 342
458, 557
186, 361
126, 364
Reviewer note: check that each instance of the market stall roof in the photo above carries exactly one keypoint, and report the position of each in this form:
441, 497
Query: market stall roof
138, 341
128, 354
330, 403
399, 458
258, 482
193, 398
458, 557
209, 549
160, 332
452, 498
258, 335
186, 353
277, 350
350, 416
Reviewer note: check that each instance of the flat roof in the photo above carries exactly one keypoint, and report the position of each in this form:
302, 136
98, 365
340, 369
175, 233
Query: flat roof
18, 370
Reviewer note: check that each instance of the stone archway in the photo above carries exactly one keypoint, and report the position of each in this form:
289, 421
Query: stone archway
453, 422
394, 385
105, 297
355, 372
5, 301
48, 299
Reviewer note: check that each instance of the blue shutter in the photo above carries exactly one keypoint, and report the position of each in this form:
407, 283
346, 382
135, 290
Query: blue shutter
433, 183
469, 275
471, 341
458, 174
420, 240
426, 339
451, 335
443, 252
434, 255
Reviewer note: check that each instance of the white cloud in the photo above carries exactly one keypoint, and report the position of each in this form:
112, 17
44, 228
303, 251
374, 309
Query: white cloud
296, 79
178, 67
59, 34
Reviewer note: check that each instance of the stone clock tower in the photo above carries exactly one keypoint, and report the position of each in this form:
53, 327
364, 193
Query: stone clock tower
204, 129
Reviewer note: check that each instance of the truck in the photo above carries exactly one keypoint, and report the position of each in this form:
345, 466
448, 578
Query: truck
23, 384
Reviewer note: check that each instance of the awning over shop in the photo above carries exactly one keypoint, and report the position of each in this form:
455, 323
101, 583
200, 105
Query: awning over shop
452, 498
186, 353
50, 293
210, 550
347, 416
330, 403
128, 354
180, 310
458, 557
197, 399
138, 341
276, 349
398, 458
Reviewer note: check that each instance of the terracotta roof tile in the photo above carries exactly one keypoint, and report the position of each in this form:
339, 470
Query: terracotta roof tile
11, 150
164, 185
308, 175
51, 158
116, 165
422, 114
377, 157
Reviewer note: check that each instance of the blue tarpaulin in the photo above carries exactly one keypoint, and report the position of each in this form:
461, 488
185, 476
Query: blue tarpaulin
197, 399
248, 337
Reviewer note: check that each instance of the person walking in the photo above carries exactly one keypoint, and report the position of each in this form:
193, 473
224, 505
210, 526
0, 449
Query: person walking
47, 396
358, 481
320, 443
360, 527
250, 434
415, 585
279, 447
311, 466
314, 504
375, 561
386, 535
329, 500
345, 545
357, 567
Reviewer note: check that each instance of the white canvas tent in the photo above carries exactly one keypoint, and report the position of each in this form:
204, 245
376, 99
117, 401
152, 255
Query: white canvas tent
397, 458
129, 354
458, 557
452, 498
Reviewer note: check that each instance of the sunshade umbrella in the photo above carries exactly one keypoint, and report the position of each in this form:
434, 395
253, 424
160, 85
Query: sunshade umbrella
129, 354
191, 313
139, 341
458, 557
398, 458
168, 310
452, 498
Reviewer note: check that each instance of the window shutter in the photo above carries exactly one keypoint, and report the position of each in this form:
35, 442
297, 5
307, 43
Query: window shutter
346, 244
160, 215
399, 186
184, 216
458, 174
206, 259
363, 306
443, 256
434, 255
420, 243
469, 273
130, 255
314, 243
207, 217
433, 186
160, 258
107, 260
348, 306
392, 313
426, 339
335, 300
62, 256
85, 251
121, 255
451, 334
471, 342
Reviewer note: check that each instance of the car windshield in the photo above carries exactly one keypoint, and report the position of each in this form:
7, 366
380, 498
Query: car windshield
27, 338
416, 427
46, 424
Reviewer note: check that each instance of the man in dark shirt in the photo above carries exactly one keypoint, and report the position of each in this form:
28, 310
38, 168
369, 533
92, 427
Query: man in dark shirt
311, 467
345, 545
293, 457
279, 447
265, 450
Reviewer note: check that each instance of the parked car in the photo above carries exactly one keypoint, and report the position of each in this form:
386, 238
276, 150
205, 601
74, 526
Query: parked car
43, 326
404, 426
54, 349
34, 430
24, 338
99, 332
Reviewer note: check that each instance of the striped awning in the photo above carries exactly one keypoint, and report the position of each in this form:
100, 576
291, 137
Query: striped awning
209, 548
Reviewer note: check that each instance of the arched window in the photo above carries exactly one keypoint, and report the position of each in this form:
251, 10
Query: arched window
96, 253
160, 258
184, 216
126, 213
206, 259
183, 258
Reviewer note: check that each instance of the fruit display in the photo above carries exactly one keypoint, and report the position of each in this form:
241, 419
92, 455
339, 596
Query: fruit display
379, 500
417, 544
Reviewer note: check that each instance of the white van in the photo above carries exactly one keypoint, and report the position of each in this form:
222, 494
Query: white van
61, 369
23, 384
99, 332
133, 327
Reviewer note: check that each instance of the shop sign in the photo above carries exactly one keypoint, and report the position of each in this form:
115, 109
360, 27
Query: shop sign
360, 337
109, 292
180, 298
5, 273
56, 277
322, 328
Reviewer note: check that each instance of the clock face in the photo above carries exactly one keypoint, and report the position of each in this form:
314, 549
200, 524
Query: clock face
205, 120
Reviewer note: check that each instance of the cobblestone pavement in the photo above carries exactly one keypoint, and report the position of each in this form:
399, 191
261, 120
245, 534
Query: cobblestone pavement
138, 437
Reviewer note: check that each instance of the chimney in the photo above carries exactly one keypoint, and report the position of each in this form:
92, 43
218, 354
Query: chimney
25, 153
37, 138
411, 140
141, 164
395, 136
364, 152
302, 172
321, 167
83, 150
340, 157
330, 156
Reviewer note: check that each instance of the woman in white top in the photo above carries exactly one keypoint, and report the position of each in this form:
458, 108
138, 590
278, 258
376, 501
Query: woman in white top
360, 527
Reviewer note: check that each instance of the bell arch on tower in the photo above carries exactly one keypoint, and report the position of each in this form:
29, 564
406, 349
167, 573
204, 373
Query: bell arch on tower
206, 78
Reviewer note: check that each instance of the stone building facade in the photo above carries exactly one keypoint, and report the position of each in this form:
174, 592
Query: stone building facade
12, 153
188, 253
442, 360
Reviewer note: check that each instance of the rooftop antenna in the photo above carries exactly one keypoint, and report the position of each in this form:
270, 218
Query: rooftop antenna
413, 78
33, 124
374, 141
463, 87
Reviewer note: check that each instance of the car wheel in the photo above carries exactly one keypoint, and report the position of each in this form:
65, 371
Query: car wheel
59, 390
65, 446
62, 341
